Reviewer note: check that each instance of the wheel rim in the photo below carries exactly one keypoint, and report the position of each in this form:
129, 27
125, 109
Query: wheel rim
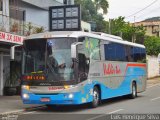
134, 90
96, 97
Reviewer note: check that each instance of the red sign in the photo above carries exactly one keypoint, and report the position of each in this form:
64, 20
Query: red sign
55, 88
111, 69
7, 37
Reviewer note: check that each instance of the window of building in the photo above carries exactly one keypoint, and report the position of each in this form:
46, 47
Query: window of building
1, 5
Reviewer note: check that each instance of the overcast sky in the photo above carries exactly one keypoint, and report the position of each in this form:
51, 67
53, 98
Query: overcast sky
129, 7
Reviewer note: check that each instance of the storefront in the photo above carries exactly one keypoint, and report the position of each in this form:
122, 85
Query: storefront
7, 67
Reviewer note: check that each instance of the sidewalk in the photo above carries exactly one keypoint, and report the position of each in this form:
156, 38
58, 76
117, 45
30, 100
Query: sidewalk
153, 81
14, 103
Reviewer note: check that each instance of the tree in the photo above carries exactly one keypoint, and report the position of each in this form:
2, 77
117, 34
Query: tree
90, 13
124, 29
101, 4
152, 45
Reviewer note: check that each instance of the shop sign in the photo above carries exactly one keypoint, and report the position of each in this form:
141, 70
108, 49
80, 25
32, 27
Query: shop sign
11, 38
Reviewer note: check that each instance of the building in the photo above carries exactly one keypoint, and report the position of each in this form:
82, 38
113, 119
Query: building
152, 26
17, 17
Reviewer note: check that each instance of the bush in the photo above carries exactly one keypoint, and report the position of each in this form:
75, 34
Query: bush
152, 45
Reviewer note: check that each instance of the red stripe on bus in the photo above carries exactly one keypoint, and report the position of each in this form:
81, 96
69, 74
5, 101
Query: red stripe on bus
135, 65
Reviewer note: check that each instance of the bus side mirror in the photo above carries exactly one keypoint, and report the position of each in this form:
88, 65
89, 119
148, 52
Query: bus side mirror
74, 49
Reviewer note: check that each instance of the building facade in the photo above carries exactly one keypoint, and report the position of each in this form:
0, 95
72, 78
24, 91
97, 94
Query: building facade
16, 19
151, 25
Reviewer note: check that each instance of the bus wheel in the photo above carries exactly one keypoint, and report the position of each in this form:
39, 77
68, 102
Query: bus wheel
134, 91
96, 97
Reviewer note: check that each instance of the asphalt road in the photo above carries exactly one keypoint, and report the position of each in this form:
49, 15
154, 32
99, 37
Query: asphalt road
146, 102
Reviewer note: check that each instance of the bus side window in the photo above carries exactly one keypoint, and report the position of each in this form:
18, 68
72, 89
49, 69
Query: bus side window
120, 52
110, 52
137, 54
114, 52
143, 55
129, 54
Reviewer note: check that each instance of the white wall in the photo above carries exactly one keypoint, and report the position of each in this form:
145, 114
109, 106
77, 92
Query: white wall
44, 3
35, 15
5, 15
153, 66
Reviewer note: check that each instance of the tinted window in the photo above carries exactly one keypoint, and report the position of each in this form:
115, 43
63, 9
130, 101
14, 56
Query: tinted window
110, 52
143, 55
129, 53
138, 54
120, 52
115, 52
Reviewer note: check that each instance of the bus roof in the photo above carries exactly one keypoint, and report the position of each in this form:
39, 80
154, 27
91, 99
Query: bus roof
77, 34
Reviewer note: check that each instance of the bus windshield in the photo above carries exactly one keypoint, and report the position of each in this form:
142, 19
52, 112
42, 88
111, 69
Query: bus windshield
52, 57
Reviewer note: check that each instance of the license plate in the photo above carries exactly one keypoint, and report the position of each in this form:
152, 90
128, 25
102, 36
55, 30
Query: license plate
45, 99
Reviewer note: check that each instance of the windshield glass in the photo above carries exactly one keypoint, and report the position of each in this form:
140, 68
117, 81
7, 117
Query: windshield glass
52, 57
59, 63
34, 56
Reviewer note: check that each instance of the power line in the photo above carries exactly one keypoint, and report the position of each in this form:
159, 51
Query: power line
148, 13
142, 9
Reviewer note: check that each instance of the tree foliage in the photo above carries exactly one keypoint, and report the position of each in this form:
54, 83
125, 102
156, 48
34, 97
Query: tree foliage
127, 31
152, 45
101, 4
89, 11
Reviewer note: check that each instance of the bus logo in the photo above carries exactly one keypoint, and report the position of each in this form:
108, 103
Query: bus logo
110, 69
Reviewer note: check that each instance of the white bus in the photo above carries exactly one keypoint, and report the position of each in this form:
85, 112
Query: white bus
74, 67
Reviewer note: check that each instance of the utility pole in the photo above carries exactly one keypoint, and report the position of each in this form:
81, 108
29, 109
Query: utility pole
134, 36
109, 27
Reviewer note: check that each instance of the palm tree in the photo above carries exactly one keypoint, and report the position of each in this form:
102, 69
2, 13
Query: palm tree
102, 4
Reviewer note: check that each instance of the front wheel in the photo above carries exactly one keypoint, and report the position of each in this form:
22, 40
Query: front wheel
134, 91
96, 97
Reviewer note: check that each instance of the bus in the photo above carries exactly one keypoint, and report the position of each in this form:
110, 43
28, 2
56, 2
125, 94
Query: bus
75, 67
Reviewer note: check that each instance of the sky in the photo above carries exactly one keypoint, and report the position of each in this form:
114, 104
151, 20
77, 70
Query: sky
128, 7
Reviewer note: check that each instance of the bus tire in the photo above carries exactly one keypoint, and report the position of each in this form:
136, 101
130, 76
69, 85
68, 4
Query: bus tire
96, 97
134, 91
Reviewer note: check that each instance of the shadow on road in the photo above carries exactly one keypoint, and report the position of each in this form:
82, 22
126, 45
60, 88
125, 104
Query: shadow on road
78, 108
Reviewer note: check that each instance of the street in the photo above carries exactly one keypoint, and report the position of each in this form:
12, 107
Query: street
146, 102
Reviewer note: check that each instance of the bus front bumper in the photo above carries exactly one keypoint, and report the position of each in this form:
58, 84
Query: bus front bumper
57, 99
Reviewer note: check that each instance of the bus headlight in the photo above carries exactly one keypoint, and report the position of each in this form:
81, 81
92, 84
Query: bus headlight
25, 96
70, 96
